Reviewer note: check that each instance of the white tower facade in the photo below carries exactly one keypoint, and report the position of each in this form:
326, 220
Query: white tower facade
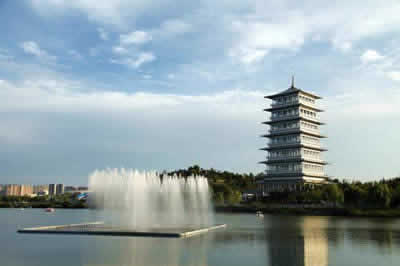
294, 150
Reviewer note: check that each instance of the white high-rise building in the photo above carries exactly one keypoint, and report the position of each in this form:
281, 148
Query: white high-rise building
294, 149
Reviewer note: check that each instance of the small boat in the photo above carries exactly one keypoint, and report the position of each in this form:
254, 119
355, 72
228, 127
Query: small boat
49, 210
259, 214
21, 209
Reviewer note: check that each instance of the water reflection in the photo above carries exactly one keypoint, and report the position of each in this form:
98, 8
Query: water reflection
297, 241
382, 233
248, 240
136, 251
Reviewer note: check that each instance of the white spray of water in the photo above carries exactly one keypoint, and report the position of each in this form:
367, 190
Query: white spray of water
140, 200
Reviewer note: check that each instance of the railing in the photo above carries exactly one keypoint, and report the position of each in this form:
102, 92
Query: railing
270, 144
316, 173
313, 159
283, 130
284, 117
312, 131
287, 157
311, 144
309, 117
283, 143
304, 172
276, 158
307, 103
286, 171
276, 104
296, 101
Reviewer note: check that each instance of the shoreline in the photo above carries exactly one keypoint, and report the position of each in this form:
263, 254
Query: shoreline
310, 211
292, 210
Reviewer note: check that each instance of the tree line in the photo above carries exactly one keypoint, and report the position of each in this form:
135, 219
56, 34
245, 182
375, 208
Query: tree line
226, 187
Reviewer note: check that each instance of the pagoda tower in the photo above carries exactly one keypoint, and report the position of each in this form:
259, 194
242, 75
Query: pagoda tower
294, 149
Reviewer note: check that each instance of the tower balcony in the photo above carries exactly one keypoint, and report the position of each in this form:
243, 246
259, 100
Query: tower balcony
284, 117
314, 119
276, 159
284, 171
283, 144
311, 144
300, 172
282, 158
314, 160
284, 104
311, 131
313, 173
294, 144
293, 102
283, 131
296, 130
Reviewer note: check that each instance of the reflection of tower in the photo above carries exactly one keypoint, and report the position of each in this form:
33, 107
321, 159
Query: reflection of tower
298, 241
315, 241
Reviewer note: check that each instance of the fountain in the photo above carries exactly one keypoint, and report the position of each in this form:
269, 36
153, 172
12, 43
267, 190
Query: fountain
134, 203
142, 200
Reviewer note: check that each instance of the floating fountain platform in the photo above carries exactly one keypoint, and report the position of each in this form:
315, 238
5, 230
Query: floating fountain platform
99, 228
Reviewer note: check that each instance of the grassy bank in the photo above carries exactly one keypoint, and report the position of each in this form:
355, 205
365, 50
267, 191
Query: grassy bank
46, 204
349, 212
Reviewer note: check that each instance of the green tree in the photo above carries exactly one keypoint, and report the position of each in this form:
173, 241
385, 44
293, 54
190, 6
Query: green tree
396, 196
219, 198
234, 197
333, 193
380, 195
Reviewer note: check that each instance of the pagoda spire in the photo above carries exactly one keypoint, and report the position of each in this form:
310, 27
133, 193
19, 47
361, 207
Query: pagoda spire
292, 85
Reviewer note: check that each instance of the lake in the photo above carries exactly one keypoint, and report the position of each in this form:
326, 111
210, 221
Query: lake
248, 240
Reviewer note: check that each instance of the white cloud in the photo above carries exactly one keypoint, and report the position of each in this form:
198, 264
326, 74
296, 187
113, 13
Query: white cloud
144, 57
173, 27
119, 13
135, 37
135, 60
344, 46
32, 48
371, 56
119, 50
256, 38
70, 96
248, 55
102, 34
144, 124
394, 75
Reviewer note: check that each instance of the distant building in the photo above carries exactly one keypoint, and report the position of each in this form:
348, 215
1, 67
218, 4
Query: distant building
294, 149
83, 188
70, 189
17, 190
248, 195
12, 190
26, 190
52, 189
59, 189
42, 193
40, 188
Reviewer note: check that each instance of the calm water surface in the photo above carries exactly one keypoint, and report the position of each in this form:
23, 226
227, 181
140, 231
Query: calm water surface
248, 240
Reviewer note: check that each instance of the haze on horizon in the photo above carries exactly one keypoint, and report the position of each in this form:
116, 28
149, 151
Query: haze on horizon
163, 84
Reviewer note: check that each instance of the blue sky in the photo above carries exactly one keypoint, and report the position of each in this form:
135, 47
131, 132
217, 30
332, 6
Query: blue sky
164, 84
